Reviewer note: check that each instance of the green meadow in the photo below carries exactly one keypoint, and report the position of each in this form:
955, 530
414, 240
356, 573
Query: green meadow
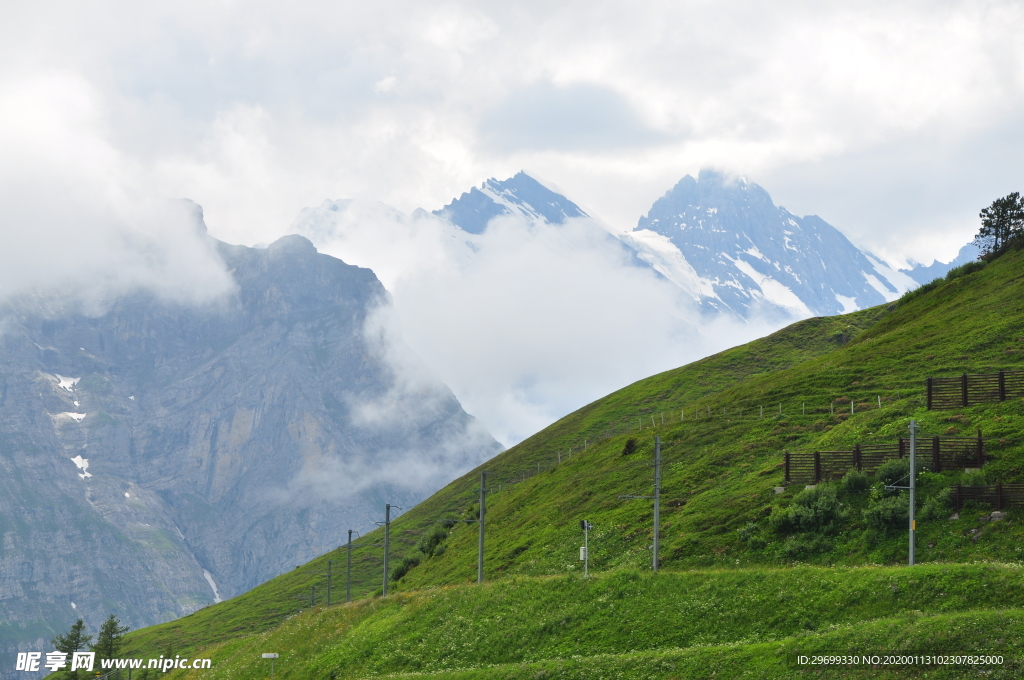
749, 578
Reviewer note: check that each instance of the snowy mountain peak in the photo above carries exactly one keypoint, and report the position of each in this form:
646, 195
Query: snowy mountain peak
519, 195
733, 247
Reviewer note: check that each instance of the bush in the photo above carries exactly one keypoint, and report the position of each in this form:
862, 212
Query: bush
939, 505
802, 545
920, 290
629, 448
403, 567
894, 472
964, 270
816, 510
432, 539
888, 514
749, 535
973, 478
855, 481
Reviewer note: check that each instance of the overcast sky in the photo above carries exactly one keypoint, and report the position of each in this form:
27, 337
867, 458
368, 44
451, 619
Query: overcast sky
895, 122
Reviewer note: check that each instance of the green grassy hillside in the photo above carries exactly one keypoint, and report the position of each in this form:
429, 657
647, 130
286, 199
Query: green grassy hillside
628, 618
720, 516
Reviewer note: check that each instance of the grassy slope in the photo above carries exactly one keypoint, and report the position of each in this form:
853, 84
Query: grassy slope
529, 620
719, 469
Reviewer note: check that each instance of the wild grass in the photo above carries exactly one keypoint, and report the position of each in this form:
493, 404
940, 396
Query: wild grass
718, 496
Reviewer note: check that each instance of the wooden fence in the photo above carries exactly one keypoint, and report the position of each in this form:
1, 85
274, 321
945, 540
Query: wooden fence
938, 453
982, 388
1000, 496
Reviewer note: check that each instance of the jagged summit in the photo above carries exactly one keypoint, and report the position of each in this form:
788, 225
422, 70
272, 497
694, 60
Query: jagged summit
519, 195
724, 240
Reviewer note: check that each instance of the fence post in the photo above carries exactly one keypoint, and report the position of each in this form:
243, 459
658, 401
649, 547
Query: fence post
903, 445
981, 450
963, 389
928, 382
1002, 385
817, 467
999, 495
936, 459
856, 457
787, 467
958, 498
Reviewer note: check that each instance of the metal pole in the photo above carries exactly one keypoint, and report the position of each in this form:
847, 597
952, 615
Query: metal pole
586, 549
348, 570
328, 583
480, 546
387, 544
657, 500
913, 485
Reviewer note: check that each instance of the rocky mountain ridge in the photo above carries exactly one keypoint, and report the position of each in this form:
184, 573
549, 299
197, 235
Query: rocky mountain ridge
159, 457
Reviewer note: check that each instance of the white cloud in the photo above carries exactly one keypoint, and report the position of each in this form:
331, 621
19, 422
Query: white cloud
524, 322
77, 216
255, 110
895, 123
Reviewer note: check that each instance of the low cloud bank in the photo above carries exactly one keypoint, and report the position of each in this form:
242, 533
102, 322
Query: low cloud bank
524, 322
75, 216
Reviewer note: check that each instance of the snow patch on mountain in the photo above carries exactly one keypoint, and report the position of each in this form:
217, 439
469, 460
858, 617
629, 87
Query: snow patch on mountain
520, 195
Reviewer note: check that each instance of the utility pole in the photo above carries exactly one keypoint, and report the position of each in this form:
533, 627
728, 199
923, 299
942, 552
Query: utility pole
480, 547
913, 486
585, 552
387, 544
348, 570
328, 583
657, 503
657, 498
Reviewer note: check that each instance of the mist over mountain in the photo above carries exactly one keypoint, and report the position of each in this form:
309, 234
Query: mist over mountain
723, 241
157, 456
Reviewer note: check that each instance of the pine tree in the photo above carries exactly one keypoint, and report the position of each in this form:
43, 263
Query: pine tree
1001, 223
74, 641
109, 639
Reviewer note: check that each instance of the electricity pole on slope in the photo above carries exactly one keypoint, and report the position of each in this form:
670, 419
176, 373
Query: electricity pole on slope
348, 570
657, 503
387, 542
480, 547
657, 500
912, 488
585, 551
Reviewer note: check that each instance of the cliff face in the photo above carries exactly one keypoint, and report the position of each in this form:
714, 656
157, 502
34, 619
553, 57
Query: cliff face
158, 456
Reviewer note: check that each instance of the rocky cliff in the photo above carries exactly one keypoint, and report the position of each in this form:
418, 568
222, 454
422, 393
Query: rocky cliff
157, 457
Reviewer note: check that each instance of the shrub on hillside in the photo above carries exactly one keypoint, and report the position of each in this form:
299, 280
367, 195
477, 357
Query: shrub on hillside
403, 567
629, 448
888, 514
973, 478
939, 505
964, 270
432, 539
894, 472
855, 481
816, 510
749, 535
803, 545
